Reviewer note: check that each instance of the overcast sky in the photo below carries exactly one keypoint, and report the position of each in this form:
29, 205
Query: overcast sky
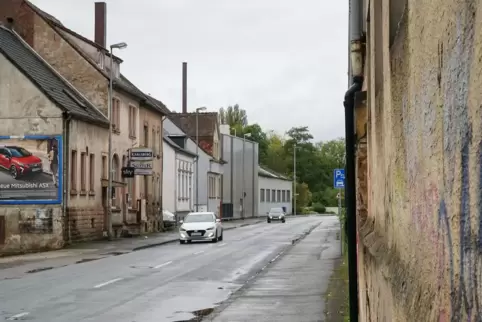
283, 61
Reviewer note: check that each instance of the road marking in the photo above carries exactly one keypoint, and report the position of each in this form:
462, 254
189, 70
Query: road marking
199, 252
162, 265
17, 316
222, 245
108, 282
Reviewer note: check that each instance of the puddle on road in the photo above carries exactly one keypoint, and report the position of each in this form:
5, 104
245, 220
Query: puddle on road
198, 315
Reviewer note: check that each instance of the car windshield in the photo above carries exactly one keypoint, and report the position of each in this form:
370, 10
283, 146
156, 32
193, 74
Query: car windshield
18, 152
276, 210
199, 218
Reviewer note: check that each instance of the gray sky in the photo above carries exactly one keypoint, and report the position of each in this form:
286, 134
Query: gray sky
283, 61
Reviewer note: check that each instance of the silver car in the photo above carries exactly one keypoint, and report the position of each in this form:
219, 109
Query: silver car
276, 214
200, 226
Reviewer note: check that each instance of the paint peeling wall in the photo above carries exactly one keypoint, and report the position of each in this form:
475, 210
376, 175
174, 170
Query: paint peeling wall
27, 111
421, 254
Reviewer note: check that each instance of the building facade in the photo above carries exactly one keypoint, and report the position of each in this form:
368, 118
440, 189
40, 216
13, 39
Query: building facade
275, 191
178, 166
239, 175
85, 64
418, 164
48, 162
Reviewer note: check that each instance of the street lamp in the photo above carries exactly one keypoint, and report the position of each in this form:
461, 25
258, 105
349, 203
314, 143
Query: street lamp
199, 109
245, 135
120, 45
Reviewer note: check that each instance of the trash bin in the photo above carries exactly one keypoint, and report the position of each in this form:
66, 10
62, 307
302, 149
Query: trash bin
284, 209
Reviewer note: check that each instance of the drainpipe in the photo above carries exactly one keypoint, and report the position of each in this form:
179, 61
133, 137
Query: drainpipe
66, 172
356, 70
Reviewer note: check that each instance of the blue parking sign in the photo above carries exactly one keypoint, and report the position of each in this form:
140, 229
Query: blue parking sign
339, 178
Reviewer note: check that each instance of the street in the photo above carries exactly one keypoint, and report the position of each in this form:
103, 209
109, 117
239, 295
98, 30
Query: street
235, 280
40, 185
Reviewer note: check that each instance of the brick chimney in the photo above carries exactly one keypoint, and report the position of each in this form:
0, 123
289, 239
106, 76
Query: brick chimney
100, 23
184, 87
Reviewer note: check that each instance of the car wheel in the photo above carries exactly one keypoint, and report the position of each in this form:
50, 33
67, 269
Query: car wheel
269, 221
283, 221
221, 237
182, 241
189, 241
14, 172
215, 239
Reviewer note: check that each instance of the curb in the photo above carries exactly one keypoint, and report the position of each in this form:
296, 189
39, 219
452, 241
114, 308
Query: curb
300, 237
170, 241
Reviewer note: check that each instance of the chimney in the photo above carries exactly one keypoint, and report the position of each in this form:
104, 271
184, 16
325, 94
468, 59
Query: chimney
184, 87
100, 23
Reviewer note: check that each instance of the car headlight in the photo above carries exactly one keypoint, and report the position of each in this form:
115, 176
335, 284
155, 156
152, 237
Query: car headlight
210, 228
182, 229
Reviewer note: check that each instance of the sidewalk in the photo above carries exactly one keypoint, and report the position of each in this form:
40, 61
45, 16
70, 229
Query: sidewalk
16, 266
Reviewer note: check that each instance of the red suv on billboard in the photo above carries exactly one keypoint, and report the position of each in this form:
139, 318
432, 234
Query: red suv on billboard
18, 161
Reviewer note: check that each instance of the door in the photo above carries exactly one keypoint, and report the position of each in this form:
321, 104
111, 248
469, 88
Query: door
105, 205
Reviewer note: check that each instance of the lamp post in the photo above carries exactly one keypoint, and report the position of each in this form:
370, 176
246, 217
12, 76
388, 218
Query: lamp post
120, 45
294, 177
245, 135
199, 109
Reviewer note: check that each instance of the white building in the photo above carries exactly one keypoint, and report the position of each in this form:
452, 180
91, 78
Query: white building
275, 190
178, 165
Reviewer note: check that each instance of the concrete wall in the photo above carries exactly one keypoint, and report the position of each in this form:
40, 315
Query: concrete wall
235, 174
421, 236
274, 184
26, 111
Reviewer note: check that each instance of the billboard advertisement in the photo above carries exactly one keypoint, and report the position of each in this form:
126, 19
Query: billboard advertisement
31, 169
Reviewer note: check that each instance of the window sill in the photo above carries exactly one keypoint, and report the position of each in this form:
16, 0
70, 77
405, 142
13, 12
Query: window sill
73, 192
116, 209
92, 193
132, 137
116, 131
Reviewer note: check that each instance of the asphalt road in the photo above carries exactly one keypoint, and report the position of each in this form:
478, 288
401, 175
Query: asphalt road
166, 283
44, 186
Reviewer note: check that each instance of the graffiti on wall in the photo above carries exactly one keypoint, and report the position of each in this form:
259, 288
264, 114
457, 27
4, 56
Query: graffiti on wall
456, 231
40, 223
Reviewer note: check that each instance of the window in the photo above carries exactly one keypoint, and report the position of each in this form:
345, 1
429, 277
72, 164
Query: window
218, 186
179, 180
159, 143
283, 195
261, 195
278, 197
288, 197
132, 121
273, 195
83, 172
92, 172
73, 170
131, 188
104, 167
190, 182
212, 187
116, 115
268, 195
146, 135
153, 143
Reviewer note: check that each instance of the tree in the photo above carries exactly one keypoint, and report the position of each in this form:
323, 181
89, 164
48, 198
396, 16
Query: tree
275, 155
234, 116
303, 197
258, 135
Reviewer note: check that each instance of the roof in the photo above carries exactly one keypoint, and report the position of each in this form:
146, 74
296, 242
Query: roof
176, 147
187, 123
56, 88
268, 173
122, 83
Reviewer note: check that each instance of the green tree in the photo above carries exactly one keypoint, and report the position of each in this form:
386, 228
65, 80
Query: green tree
233, 115
258, 135
303, 196
276, 158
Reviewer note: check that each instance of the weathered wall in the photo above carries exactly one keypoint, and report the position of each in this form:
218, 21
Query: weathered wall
420, 258
27, 111
85, 208
54, 48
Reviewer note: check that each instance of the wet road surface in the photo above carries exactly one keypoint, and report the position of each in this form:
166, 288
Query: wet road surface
166, 283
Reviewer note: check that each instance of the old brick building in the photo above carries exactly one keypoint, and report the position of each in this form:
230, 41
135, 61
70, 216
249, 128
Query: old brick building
419, 174
85, 64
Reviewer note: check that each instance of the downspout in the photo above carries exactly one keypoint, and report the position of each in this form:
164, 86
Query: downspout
66, 172
162, 172
356, 71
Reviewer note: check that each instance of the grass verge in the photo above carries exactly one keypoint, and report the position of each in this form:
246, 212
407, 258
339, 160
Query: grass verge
336, 297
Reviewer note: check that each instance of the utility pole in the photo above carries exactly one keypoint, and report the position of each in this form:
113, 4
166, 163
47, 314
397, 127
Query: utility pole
120, 45
199, 109
244, 177
294, 177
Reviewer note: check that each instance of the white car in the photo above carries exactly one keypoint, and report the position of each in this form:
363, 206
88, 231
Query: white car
276, 214
200, 226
